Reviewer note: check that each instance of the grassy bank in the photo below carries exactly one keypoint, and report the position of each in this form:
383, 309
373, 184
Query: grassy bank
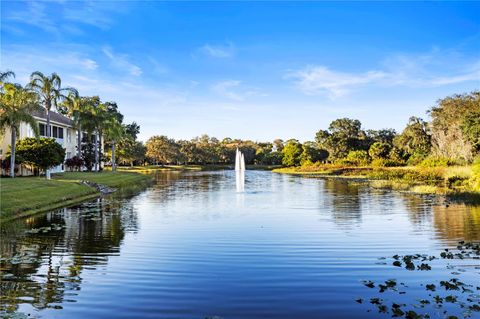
454, 180
24, 196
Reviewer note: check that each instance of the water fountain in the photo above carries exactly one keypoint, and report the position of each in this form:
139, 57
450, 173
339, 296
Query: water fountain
240, 171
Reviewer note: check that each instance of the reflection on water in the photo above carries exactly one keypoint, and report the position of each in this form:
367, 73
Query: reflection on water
191, 247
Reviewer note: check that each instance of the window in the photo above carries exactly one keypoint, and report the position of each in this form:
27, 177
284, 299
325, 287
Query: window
54, 131
60, 132
42, 129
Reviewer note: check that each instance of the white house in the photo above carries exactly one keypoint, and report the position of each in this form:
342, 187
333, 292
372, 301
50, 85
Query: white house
62, 130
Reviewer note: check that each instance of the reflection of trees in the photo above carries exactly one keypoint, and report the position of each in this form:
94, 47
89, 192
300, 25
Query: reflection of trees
52, 262
418, 207
344, 200
457, 222
171, 184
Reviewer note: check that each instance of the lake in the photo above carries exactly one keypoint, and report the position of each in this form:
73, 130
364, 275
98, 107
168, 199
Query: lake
190, 246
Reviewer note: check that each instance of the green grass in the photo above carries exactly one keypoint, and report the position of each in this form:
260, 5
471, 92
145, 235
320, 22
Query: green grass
426, 180
23, 196
117, 179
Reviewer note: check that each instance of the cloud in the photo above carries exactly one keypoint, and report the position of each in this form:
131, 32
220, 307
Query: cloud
218, 51
234, 90
120, 61
225, 89
438, 68
59, 17
34, 14
314, 80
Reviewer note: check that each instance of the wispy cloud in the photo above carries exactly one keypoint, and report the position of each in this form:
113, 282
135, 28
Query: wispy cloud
218, 51
428, 70
314, 80
121, 61
226, 89
59, 17
234, 90
34, 14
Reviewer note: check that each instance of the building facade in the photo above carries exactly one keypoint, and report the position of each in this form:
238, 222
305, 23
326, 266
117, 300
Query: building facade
62, 130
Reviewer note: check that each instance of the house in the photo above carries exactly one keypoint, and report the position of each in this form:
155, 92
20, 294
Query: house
62, 130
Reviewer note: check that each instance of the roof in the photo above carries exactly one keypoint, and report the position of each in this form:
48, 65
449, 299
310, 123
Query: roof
54, 117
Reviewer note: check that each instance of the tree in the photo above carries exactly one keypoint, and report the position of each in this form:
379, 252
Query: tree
92, 118
415, 140
291, 153
448, 118
162, 149
383, 136
343, 135
17, 106
50, 92
5, 75
379, 150
43, 153
311, 154
471, 129
132, 129
113, 133
75, 106
359, 157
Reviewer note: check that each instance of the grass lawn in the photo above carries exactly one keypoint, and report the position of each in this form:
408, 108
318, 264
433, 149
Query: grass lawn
23, 196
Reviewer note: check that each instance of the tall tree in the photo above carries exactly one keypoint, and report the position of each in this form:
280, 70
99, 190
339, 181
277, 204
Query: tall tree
5, 75
114, 131
74, 106
16, 106
448, 117
415, 140
50, 91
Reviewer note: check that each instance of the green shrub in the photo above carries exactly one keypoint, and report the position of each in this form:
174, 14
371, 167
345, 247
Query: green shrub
436, 162
381, 162
356, 158
475, 180
416, 158
379, 150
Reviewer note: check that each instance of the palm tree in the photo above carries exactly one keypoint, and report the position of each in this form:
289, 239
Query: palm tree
114, 131
74, 106
5, 75
16, 106
90, 121
50, 92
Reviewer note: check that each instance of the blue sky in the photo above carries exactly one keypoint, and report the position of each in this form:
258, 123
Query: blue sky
258, 70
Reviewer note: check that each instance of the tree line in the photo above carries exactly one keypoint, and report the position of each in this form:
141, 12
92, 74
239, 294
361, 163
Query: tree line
93, 119
452, 136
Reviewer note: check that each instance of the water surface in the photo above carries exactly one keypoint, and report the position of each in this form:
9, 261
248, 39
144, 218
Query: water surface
191, 247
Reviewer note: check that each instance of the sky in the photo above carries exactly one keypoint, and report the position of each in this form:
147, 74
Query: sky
251, 70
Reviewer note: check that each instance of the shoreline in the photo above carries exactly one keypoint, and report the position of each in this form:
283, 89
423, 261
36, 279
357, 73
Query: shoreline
26, 196
440, 181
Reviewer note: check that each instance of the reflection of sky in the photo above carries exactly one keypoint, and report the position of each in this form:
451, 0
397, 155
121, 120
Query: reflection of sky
286, 247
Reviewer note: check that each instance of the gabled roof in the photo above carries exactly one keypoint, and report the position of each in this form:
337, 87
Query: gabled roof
54, 117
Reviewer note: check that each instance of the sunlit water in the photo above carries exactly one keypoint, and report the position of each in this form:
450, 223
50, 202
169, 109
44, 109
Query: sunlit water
192, 247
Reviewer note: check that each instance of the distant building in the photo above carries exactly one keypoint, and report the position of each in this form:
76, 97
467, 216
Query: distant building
62, 131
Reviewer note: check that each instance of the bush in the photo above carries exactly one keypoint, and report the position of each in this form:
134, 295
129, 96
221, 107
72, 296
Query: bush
379, 150
436, 162
74, 163
416, 158
356, 158
42, 153
475, 180
380, 162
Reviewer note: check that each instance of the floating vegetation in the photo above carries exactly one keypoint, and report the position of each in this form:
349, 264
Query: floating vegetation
46, 229
451, 291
